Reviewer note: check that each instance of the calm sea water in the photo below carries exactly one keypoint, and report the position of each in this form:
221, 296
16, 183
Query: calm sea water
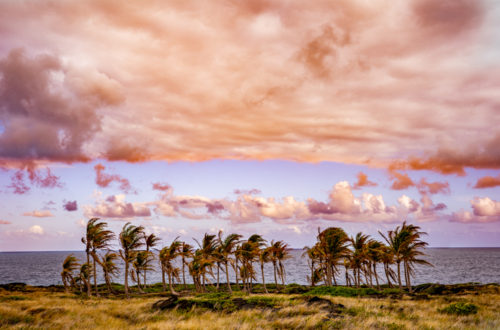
451, 265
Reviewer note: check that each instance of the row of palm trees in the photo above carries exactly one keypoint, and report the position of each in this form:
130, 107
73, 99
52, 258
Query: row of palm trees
214, 254
360, 255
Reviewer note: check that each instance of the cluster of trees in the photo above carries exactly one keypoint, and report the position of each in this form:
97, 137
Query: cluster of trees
334, 249
360, 255
214, 254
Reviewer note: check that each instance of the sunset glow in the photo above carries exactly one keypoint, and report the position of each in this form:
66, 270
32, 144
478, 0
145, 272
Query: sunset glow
275, 117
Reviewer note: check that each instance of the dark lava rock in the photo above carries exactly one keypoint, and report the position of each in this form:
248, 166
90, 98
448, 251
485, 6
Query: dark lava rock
16, 286
241, 303
327, 305
168, 303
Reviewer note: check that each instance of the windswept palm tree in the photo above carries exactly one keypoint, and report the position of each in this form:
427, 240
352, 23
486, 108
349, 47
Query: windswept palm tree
374, 255
186, 251
150, 241
141, 264
359, 256
101, 238
412, 251
333, 247
130, 240
85, 275
205, 256
227, 247
387, 259
406, 247
167, 256
70, 264
278, 253
313, 254
109, 268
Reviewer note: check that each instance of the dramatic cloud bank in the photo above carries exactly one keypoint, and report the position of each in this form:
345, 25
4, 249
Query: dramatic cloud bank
341, 205
346, 81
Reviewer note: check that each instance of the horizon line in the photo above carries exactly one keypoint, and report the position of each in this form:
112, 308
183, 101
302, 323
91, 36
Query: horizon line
293, 248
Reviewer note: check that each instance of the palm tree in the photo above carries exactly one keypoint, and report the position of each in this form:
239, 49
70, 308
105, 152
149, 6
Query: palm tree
395, 241
387, 258
186, 251
101, 239
150, 241
109, 268
85, 275
166, 256
333, 246
205, 258
278, 253
412, 251
313, 254
374, 254
359, 256
282, 255
141, 264
227, 247
264, 257
70, 264
130, 240
88, 239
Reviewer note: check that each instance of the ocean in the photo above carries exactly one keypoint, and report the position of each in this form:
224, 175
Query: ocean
451, 265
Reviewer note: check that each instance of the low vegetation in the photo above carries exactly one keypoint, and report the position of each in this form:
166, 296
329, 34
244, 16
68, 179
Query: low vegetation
477, 307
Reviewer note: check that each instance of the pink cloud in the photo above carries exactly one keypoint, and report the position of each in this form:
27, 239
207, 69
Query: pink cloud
484, 210
363, 181
401, 181
487, 182
70, 206
117, 208
39, 214
247, 192
425, 187
35, 178
5, 222
161, 186
104, 180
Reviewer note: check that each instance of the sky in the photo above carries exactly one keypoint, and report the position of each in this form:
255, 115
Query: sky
270, 117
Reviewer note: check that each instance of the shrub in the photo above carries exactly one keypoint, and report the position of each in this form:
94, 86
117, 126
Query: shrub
460, 308
342, 291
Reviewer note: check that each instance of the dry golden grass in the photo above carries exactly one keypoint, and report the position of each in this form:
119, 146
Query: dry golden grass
44, 309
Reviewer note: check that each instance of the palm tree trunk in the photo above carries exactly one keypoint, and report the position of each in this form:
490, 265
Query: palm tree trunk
218, 270
263, 279
163, 279
227, 278
65, 284
126, 278
407, 273
399, 275
138, 274
95, 275
172, 291
376, 276
183, 274
386, 266
275, 278
333, 275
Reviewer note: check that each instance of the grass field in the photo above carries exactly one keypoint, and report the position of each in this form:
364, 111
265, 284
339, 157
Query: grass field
432, 307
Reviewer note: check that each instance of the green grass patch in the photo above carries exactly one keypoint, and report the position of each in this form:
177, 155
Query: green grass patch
342, 291
460, 308
13, 298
